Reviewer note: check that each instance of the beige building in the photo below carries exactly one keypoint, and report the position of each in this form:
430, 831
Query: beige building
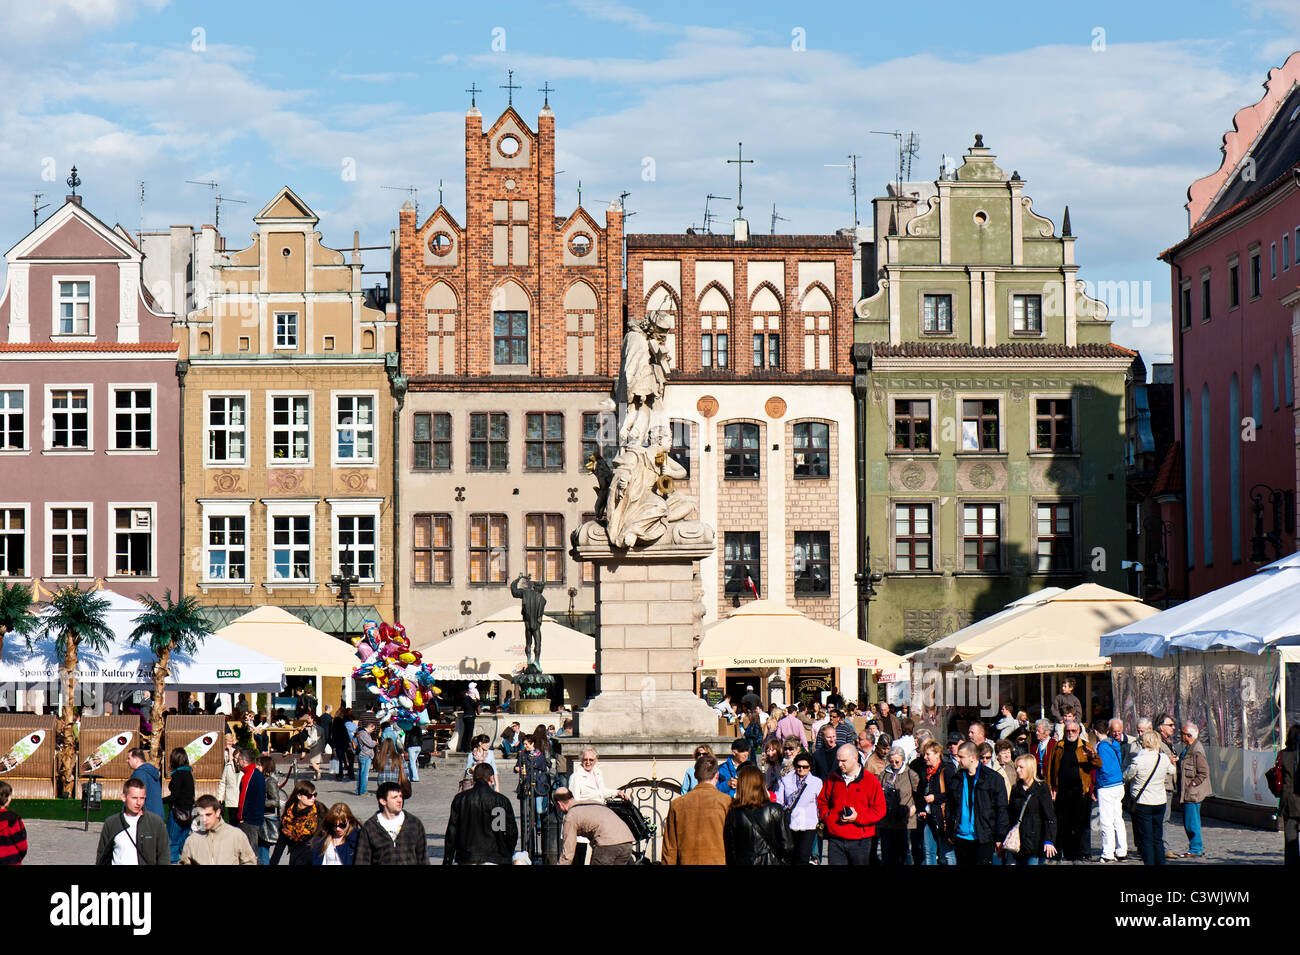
287, 428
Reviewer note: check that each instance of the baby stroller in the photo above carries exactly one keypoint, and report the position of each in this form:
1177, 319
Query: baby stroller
643, 830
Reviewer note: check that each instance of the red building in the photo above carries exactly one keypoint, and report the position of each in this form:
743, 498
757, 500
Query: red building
1232, 279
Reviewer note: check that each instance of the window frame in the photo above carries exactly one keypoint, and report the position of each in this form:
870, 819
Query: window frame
487, 517
113, 534
925, 301
676, 427
544, 550
810, 563
545, 442
50, 508
1034, 449
756, 568
1234, 284
433, 549
743, 452
48, 419
1027, 331
356, 507
931, 506
1001, 509
1053, 502
279, 345
25, 445
290, 462
113, 389
1207, 304
56, 300
433, 441
894, 400
225, 509
763, 346
796, 448
305, 508
208, 460
606, 425
961, 420
25, 507
1256, 273
488, 441
335, 428
510, 337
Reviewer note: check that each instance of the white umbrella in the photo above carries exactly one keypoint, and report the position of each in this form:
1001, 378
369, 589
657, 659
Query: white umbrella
493, 649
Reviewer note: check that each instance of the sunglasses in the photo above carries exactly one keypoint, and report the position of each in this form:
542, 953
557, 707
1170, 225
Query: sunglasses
802, 766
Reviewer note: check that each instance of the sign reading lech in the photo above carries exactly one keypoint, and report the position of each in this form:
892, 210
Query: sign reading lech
227, 674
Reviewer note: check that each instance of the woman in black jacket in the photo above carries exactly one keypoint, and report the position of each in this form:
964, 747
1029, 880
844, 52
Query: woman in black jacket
1031, 805
180, 801
341, 743
755, 832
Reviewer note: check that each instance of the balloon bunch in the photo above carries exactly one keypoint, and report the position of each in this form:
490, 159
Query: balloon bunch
395, 673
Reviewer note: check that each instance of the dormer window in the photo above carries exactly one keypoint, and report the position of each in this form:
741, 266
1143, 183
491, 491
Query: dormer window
74, 308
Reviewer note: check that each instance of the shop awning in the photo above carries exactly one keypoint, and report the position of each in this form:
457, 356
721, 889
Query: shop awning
973, 640
493, 649
304, 650
765, 634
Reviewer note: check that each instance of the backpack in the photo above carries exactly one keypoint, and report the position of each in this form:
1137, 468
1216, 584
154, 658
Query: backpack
631, 817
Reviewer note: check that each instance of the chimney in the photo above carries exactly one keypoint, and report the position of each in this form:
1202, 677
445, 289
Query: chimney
741, 226
76, 199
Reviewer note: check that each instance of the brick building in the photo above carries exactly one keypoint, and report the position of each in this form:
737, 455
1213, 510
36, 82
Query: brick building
287, 426
511, 327
761, 404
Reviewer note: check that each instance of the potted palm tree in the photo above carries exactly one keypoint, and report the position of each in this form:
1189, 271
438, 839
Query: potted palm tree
75, 618
16, 612
167, 626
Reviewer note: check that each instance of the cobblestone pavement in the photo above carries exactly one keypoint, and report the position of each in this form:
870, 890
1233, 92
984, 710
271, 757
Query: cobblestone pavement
64, 843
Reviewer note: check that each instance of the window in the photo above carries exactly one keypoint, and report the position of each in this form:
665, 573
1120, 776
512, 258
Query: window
1234, 297
1254, 274
767, 351
432, 442
543, 441
981, 537
354, 428
286, 329
225, 547
1286, 252
291, 546
327, 343
1272, 260
599, 436
1055, 533
1205, 298
227, 429
290, 428
740, 451
13, 542
431, 549
132, 419
13, 419
133, 542
544, 547
488, 548
489, 441
74, 308
1295, 244
510, 338
979, 424
1053, 424
681, 445
938, 315
812, 449
913, 540
70, 418
69, 542
741, 561
355, 549
713, 350
912, 424
1186, 307
812, 562
1027, 314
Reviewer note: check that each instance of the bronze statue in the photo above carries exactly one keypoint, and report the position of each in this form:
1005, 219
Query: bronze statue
532, 605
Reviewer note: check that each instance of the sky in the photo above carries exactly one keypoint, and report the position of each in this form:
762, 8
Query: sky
1114, 110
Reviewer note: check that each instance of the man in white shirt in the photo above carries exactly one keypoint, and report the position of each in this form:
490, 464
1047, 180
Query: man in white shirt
133, 836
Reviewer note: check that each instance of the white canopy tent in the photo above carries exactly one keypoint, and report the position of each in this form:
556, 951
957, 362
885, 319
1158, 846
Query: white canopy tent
304, 650
493, 649
218, 666
972, 640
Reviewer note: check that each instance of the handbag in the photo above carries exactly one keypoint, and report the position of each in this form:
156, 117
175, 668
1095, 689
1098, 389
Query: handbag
1274, 777
1130, 801
797, 796
1011, 841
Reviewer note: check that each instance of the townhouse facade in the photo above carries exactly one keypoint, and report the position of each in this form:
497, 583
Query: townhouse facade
89, 410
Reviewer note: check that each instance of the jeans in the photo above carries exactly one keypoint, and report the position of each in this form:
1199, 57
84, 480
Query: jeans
848, 851
932, 854
803, 846
1192, 826
363, 774
1073, 812
1010, 858
1149, 833
1114, 840
413, 754
176, 834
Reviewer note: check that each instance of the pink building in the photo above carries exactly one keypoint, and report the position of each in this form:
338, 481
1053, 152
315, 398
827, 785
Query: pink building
1233, 281
89, 413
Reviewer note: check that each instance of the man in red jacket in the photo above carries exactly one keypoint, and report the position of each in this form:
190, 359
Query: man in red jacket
850, 804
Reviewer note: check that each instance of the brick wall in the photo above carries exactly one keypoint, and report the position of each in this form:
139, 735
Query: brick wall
742, 506
811, 504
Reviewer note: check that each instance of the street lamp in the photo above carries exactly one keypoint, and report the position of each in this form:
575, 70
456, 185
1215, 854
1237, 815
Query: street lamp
344, 582
1283, 518
866, 582
92, 797
1159, 557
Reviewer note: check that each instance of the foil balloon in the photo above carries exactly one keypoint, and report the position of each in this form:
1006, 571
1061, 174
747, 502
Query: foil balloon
395, 675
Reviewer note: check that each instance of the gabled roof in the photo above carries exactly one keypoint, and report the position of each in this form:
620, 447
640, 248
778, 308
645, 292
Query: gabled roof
579, 213
1275, 153
441, 212
287, 204
509, 112
101, 240
1008, 350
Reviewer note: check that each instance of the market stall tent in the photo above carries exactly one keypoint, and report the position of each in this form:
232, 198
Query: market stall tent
304, 650
493, 649
973, 640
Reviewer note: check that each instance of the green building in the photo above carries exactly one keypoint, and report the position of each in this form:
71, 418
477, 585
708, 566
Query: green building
990, 406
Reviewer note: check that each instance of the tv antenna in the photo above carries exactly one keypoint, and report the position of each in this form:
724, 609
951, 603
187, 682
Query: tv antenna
775, 217
709, 216
622, 203
139, 234
740, 162
908, 148
217, 199
414, 193
37, 206
852, 167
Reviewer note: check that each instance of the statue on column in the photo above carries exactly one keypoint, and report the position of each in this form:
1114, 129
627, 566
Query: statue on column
532, 606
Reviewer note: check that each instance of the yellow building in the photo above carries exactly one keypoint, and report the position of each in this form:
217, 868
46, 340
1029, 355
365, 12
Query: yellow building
287, 431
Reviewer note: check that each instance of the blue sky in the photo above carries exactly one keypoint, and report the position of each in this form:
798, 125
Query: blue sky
257, 95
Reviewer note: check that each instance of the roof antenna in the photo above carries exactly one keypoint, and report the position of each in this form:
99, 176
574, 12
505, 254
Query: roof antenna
414, 193
852, 167
37, 206
782, 218
709, 216
217, 200
139, 235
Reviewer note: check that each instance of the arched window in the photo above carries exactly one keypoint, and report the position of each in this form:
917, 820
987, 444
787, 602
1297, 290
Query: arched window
1276, 390
580, 329
661, 300
766, 310
1190, 525
440, 309
1234, 465
1257, 396
1288, 381
368, 340
816, 310
510, 315
205, 341
1207, 512
714, 314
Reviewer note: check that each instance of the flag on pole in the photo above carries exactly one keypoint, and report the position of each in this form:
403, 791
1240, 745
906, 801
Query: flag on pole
753, 588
